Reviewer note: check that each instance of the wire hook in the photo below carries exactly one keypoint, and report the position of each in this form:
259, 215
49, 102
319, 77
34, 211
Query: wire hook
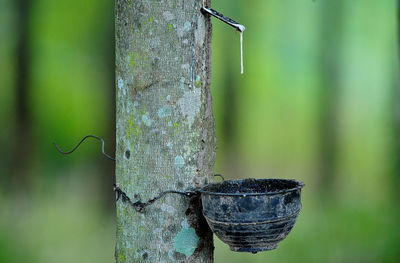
79, 143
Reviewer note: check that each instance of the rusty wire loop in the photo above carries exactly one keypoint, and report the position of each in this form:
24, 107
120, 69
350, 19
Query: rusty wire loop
139, 205
79, 143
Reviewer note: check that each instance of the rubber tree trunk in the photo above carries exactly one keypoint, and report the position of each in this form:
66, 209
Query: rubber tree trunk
165, 128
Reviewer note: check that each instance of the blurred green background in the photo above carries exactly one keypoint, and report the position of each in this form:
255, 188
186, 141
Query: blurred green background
319, 102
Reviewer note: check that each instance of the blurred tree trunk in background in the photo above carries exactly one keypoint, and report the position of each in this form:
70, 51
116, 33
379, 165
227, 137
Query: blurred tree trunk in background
165, 129
329, 97
396, 128
23, 143
109, 56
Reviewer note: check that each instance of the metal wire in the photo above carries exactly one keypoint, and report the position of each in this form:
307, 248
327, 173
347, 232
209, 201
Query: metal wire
139, 205
79, 143
120, 194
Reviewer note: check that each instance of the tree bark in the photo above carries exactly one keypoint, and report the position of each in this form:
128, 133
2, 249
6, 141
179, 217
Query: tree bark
165, 128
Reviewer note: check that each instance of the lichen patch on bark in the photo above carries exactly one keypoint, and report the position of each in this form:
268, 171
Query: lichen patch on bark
186, 241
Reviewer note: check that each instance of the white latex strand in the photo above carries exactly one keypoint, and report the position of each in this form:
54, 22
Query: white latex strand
241, 52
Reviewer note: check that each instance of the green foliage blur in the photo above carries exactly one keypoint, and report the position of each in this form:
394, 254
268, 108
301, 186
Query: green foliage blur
317, 102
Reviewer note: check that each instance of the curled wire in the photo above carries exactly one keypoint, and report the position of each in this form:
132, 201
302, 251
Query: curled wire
79, 143
120, 194
139, 205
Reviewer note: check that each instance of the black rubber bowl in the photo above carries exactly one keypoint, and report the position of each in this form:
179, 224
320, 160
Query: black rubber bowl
252, 215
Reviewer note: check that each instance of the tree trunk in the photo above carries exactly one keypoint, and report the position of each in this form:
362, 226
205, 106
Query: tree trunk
165, 128
331, 21
23, 143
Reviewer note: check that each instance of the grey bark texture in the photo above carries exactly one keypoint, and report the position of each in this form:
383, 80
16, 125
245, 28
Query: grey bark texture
165, 128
